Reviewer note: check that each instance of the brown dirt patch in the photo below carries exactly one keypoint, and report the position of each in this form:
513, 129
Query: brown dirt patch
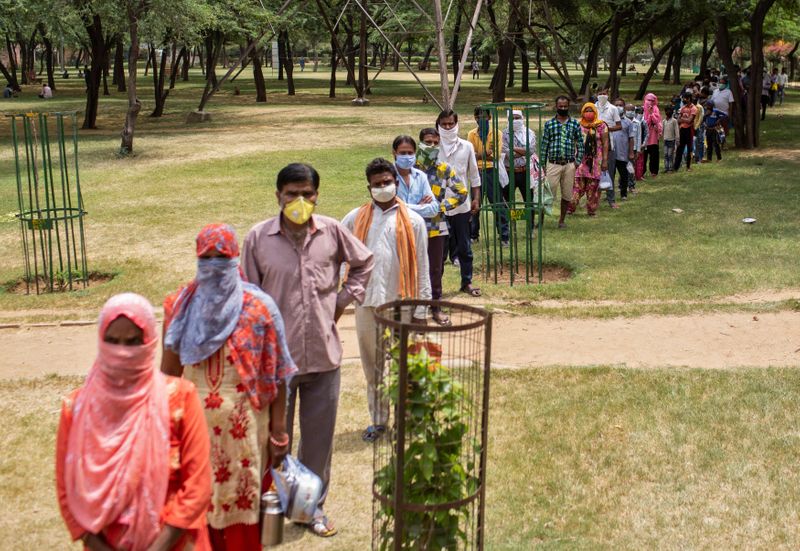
22, 287
551, 273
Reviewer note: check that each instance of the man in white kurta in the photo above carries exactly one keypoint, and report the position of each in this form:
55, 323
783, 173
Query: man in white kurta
383, 287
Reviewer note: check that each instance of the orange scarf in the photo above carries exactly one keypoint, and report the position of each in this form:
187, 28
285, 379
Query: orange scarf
589, 106
406, 245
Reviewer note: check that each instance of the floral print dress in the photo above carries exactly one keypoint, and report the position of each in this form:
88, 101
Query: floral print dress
239, 435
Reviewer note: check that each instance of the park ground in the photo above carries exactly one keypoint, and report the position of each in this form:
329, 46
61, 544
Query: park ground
650, 400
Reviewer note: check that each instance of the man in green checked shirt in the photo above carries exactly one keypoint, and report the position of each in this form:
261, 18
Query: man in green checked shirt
561, 151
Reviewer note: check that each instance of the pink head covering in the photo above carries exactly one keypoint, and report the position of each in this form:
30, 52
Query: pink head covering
116, 466
651, 112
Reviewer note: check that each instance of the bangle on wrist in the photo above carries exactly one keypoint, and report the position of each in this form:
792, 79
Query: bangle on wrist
279, 443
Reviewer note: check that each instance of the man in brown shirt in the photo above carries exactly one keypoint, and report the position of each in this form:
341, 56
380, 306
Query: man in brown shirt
296, 257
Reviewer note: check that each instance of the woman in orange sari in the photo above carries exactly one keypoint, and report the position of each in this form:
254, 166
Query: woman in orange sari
132, 452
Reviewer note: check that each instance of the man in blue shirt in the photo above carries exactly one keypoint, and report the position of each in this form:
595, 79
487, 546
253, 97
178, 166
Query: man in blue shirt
623, 148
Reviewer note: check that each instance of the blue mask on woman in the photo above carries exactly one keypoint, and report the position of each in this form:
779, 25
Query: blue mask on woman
405, 161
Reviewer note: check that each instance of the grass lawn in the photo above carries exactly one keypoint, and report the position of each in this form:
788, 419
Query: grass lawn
145, 211
578, 459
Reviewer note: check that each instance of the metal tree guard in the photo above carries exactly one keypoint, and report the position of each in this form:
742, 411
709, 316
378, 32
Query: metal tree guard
49, 197
430, 466
531, 208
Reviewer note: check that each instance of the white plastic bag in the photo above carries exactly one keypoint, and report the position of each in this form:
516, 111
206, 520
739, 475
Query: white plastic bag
299, 490
502, 175
631, 170
605, 181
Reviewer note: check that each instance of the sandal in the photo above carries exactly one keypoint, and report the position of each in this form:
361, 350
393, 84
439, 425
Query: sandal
322, 527
471, 291
441, 318
372, 433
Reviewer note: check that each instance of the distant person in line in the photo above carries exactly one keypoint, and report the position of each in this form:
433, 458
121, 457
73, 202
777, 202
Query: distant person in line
670, 139
712, 120
766, 93
723, 100
773, 86
686, 117
783, 81
594, 160
652, 119
482, 140
623, 152
562, 150
46, 92
132, 452
476, 70
65, 74
398, 239
609, 114
451, 193
302, 64
459, 154
8, 92
519, 143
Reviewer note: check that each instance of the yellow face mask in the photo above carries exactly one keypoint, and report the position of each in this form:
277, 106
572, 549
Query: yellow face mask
299, 210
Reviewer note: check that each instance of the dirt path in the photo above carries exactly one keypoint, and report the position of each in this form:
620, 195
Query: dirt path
718, 341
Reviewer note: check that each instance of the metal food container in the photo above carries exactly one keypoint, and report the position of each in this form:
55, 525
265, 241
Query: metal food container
271, 519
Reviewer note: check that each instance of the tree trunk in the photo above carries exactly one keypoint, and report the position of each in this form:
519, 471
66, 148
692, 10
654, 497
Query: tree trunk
591, 61
213, 47
486, 63
756, 67
613, 79
726, 55
159, 75
455, 51
538, 63
363, 79
511, 66
176, 66
350, 50
793, 60
286, 60
106, 67
668, 67
657, 56
426, 59
523, 58
676, 62
11, 72
505, 52
258, 76
48, 57
23, 58
119, 65
705, 54
334, 57
94, 28
186, 64
134, 105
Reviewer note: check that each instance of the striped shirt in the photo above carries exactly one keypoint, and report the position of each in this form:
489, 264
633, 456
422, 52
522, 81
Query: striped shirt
449, 190
561, 142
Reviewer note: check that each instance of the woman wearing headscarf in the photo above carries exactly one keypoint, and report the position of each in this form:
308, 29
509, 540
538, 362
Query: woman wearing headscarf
593, 162
227, 337
132, 452
655, 128
523, 145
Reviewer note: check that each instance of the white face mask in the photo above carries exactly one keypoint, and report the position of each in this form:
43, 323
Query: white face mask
383, 194
448, 135
602, 100
519, 125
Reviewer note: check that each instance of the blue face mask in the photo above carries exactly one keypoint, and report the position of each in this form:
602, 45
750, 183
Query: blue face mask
217, 270
405, 161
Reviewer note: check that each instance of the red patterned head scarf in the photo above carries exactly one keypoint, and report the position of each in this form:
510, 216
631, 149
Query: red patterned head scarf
116, 465
219, 237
